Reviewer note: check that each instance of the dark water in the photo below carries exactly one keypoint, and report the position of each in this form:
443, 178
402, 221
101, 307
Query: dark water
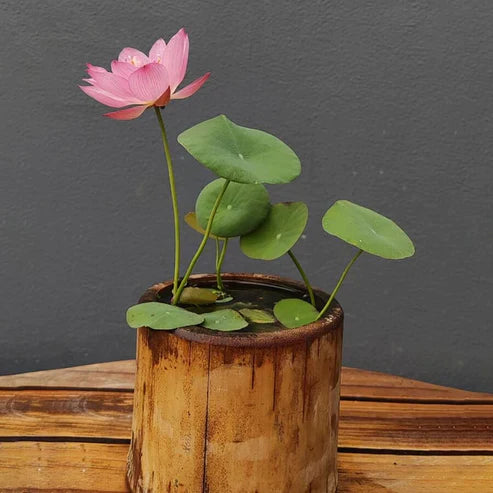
248, 295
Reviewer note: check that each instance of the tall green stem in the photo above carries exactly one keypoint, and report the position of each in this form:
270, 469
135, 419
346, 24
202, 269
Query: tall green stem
200, 249
339, 284
174, 200
218, 252
303, 276
219, 262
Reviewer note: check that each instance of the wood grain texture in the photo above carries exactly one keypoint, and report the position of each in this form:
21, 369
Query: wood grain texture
372, 385
37, 467
356, 384
112, 375
387, 473
411, 426
235, 419
274, 424
65, 413
167, 449
363, 424
62, 467
413, 443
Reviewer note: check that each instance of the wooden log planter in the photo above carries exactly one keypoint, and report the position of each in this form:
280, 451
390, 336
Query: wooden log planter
237, 412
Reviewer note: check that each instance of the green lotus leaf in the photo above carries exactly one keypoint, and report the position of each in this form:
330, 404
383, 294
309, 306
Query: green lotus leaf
161, 316
242, 208
191, 220
367, 230
240, 154
293, 312
198, 296
224, 320
225, 299
257, 316
278, 233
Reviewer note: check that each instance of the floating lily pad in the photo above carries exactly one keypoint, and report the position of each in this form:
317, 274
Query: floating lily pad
198, 296
225, 299
278, 233
191, 220
293, 312
257, 316
224, 320
161, 316
367, 230
242, 208
240, 154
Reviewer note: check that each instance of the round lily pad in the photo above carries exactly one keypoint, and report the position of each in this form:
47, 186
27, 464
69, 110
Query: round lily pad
242, 208
224, 320
293, 312
240, 154
278, 233
161, 316
191, 220
367, 230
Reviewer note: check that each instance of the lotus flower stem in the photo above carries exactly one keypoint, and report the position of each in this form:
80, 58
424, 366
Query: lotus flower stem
303, 276
200, 249
176, 214
219, 262
339, 284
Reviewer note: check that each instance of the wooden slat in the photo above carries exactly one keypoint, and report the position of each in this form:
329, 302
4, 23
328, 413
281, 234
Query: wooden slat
69, 467
363, 425
411, 426
113, 375
356, 384
65, 413
96, 468
415, 430
374, 473
372, 385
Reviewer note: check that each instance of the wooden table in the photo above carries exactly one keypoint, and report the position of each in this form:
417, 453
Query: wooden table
68, 430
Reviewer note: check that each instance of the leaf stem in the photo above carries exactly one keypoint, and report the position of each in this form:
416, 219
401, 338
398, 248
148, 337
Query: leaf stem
339, 284
218, 248
176, 215
303, 276
219, 263
200, 249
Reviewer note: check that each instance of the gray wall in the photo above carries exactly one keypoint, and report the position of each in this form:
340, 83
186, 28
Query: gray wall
388, 104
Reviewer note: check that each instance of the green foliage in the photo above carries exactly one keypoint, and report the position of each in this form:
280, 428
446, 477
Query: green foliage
226, 320
367, 230
278, 233
257, 316
161, 316
293, 312
240, 154
198, 296
242, 208
191, 220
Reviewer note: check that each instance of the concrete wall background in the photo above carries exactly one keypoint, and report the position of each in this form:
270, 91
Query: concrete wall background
388, 104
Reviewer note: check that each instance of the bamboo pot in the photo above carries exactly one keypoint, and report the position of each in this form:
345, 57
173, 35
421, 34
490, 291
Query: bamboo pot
237, 413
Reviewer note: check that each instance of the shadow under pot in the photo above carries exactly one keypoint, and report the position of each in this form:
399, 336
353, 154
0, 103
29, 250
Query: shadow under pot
252, 411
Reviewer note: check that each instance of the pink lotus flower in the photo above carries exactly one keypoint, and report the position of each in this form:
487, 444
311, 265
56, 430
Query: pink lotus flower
143, 81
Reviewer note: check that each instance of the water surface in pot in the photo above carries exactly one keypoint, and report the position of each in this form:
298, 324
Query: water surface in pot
248, 295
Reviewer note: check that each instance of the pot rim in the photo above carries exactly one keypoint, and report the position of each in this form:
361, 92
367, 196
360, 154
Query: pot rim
330, 322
